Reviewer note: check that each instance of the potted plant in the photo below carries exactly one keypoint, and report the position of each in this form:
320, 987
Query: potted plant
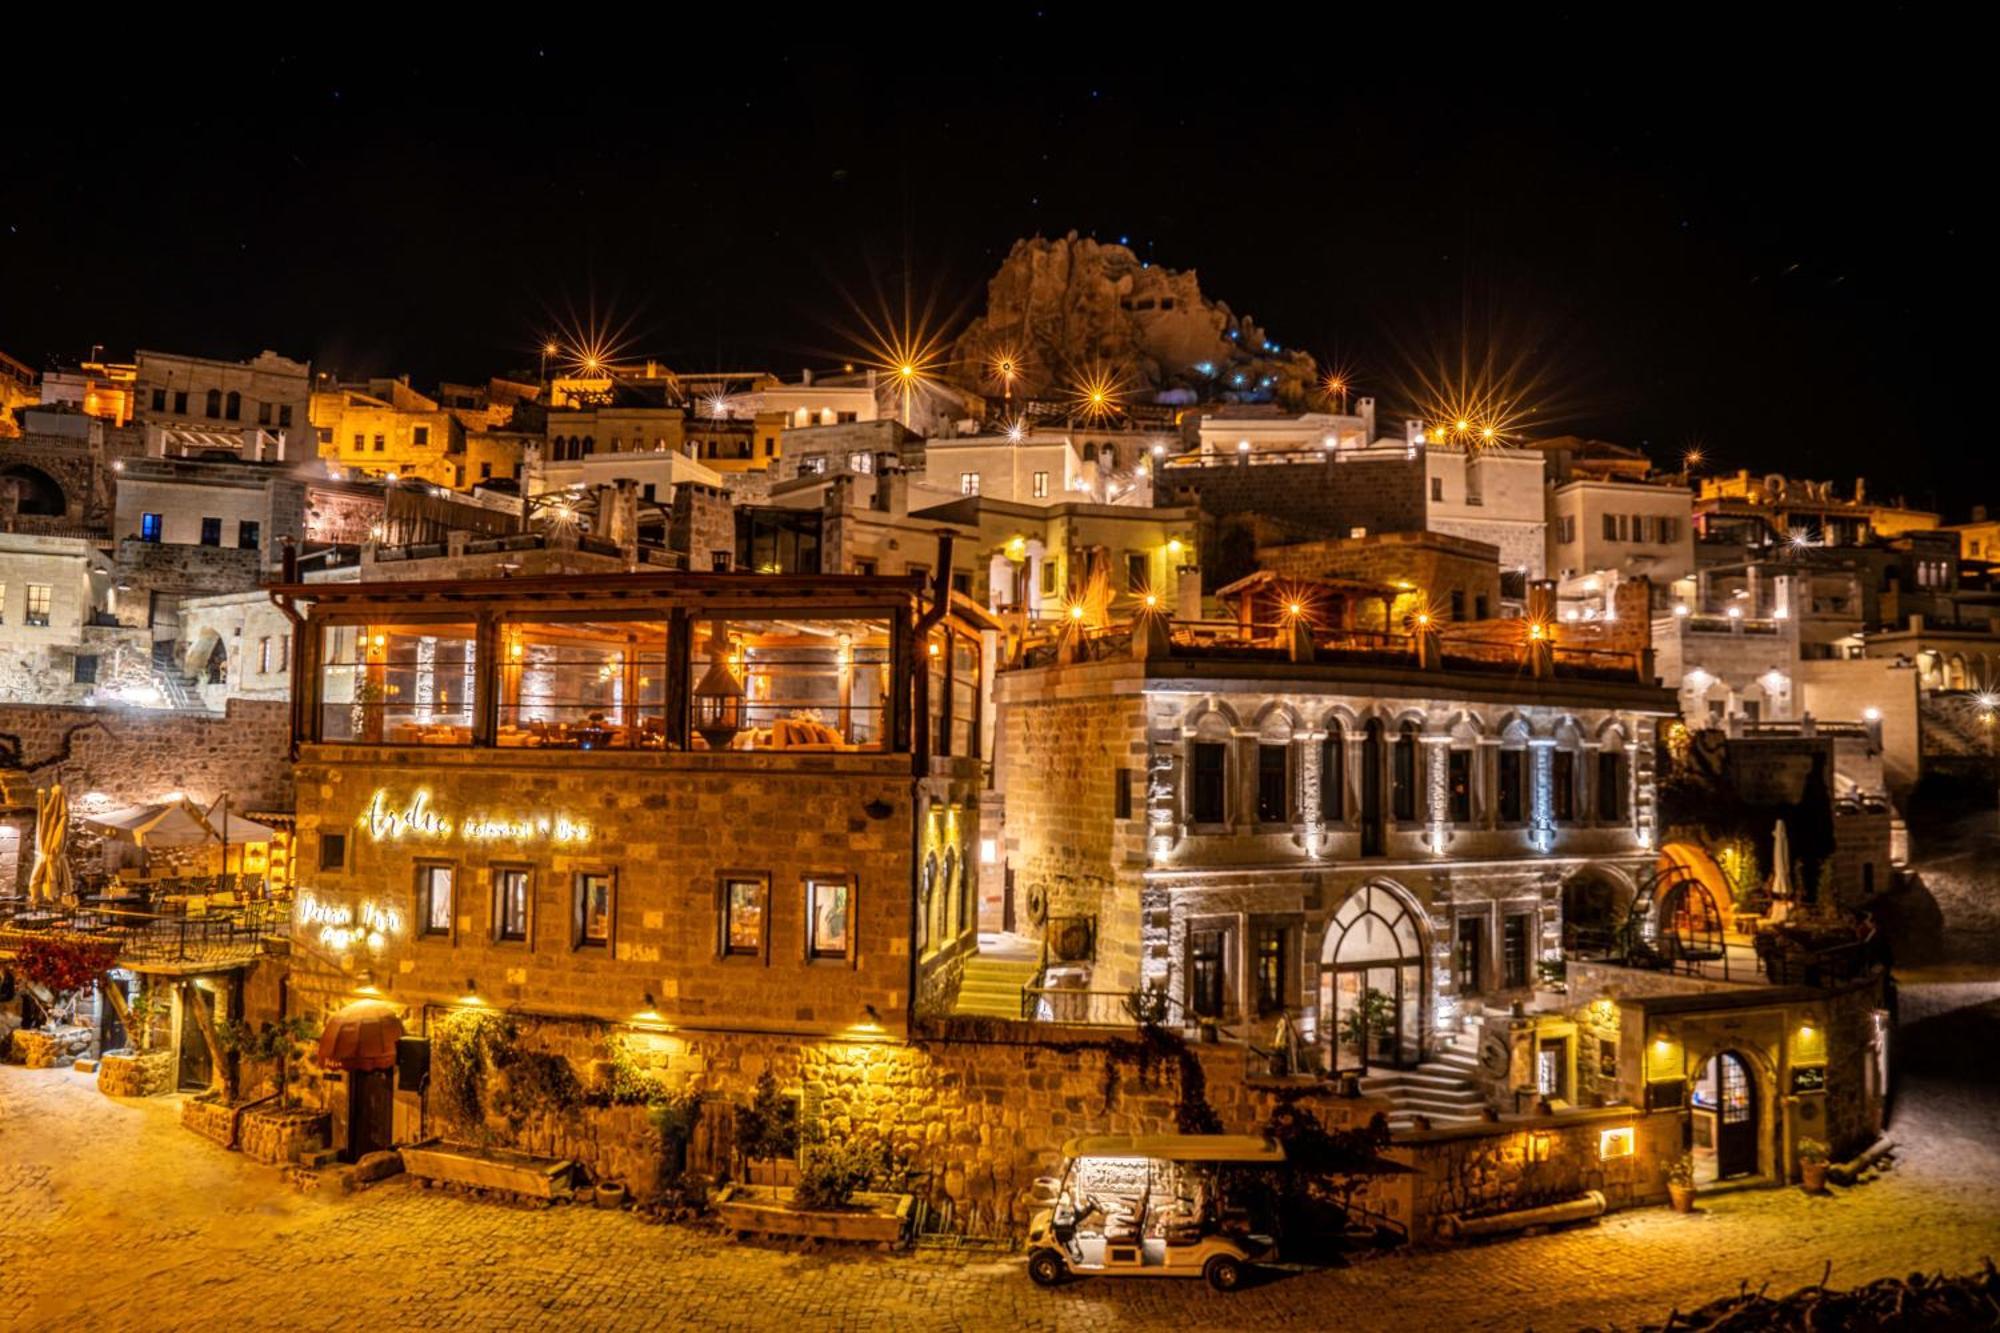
1680, 1183
1372, 1018
1812, 1165
768, 1128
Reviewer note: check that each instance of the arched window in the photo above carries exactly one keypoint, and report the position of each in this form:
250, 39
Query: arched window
1333, 773
589, 445
1372, 980
1403, 774
929, 939
234, 408
1372, 841
214, 402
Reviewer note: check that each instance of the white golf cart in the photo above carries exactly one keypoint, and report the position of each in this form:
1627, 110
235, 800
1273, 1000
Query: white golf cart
1149, 1206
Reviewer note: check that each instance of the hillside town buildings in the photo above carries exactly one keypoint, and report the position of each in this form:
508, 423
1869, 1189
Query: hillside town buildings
933, 754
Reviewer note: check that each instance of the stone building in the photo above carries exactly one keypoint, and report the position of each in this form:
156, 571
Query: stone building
1373, 836
201, 406
383, 428
711, 804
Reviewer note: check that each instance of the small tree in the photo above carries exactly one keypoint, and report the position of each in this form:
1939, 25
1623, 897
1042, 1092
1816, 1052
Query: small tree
768, 1128
1367, 1020
64, 966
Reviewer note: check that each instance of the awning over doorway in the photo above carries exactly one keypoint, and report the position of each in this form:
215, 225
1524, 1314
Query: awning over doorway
361, 1036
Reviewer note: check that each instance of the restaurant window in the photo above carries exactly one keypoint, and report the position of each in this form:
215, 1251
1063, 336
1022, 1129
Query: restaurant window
397, 684
829, 918
590, 914
779, 541
1514, 951
40, 597
741, 899
150, 526
211, 532
1511, 786
583, 684
1268, 960
510, 904
795, 682
249, 535
1610, 785
1469, 955
1207, 784
1273, 787
1565, 785
333, 851
1403, 774
1458, 785
434, 884
1333, 774
1207, 951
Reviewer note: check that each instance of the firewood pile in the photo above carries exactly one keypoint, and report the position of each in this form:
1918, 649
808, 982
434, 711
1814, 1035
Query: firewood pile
1937, 1302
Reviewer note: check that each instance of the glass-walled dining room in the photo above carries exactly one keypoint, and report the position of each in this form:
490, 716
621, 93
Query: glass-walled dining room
767, 681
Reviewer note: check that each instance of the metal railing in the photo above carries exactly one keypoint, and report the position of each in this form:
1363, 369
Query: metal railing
228, 934
1075, 1007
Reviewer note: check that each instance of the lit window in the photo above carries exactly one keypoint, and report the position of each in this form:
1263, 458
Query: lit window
968, 483
510, 904
591, 928
1041, 485
39, 597
434, 898
829, 924
742, 901
1270, 966
150, 527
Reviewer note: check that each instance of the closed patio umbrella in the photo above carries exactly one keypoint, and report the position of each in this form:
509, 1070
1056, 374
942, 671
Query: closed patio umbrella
360, 1036
49, 882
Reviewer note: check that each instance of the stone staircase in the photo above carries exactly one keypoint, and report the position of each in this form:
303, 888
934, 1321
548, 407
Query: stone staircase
1444, 1087
991, 986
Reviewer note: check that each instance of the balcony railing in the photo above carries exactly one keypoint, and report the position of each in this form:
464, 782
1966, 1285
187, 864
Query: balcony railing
216, 937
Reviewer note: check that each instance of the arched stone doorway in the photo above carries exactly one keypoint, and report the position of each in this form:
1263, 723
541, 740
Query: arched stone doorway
1372, 981
37, 492
1691, 896
1726, 1115
1595, 905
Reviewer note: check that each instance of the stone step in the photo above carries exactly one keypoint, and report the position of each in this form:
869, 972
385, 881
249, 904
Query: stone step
1421, 1082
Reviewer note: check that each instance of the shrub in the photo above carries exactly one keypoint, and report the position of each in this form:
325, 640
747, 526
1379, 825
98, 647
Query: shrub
769, 1126
1812, 1150
830, 1173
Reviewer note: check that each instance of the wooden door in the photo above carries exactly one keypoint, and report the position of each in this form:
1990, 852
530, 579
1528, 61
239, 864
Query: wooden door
371, 1110
1736, 1118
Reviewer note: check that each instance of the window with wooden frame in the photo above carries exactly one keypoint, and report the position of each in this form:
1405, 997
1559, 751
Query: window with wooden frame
829, 918
510, 903
742, 901
593, 908
435, 880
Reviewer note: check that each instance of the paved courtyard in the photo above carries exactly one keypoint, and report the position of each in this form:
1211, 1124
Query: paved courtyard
111, 1214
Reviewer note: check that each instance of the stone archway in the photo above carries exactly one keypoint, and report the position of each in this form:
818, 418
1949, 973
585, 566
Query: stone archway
1596, 902
36, 493
1733, 1112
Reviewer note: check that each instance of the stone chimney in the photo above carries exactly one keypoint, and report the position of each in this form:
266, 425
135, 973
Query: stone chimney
618, 516
1366, 408
701, 524
892, 491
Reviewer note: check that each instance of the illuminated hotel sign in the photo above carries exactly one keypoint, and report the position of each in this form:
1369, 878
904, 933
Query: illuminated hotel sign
342, 927
388, 820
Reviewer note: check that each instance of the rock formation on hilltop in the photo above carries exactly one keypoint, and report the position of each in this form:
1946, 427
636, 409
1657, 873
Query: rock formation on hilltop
1072, 306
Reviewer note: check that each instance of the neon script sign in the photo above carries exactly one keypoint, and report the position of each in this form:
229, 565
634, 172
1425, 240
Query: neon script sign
418, 818
342, 927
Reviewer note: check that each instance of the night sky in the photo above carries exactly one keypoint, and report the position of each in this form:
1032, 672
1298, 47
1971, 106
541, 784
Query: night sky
1763, 241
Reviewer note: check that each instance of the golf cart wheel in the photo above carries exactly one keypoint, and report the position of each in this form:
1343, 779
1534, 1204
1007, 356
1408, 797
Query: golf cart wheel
1047, 1268
1223, 1273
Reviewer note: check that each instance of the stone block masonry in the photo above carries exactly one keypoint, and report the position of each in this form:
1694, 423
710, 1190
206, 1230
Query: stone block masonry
136, 755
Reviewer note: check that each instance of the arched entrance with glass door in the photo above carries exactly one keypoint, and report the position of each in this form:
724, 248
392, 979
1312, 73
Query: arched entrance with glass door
1724, 1111
1371, 981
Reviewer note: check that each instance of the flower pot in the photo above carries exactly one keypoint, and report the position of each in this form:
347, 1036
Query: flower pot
1682, 1196
610, 1196
1812, 1175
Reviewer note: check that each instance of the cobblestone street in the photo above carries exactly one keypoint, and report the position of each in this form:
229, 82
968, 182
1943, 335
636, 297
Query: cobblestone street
110, 1213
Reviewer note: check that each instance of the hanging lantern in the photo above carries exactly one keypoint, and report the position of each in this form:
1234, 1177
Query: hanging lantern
718, 697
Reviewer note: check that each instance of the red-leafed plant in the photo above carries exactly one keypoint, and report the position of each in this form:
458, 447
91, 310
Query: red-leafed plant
64, 965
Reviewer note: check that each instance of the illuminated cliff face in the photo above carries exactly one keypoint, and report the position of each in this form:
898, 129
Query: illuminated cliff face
1059, 310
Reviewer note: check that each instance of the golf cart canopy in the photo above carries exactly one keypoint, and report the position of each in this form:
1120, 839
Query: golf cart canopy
1241, 1149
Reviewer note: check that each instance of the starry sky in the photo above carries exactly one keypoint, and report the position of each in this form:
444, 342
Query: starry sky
1761, 241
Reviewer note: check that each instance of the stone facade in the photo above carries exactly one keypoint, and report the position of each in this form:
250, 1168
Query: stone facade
41, 1048
1375, 490
1449, 570
1104, 818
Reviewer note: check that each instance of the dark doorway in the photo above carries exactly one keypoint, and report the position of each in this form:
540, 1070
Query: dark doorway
111, 1034
197, 1068
371, 1112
